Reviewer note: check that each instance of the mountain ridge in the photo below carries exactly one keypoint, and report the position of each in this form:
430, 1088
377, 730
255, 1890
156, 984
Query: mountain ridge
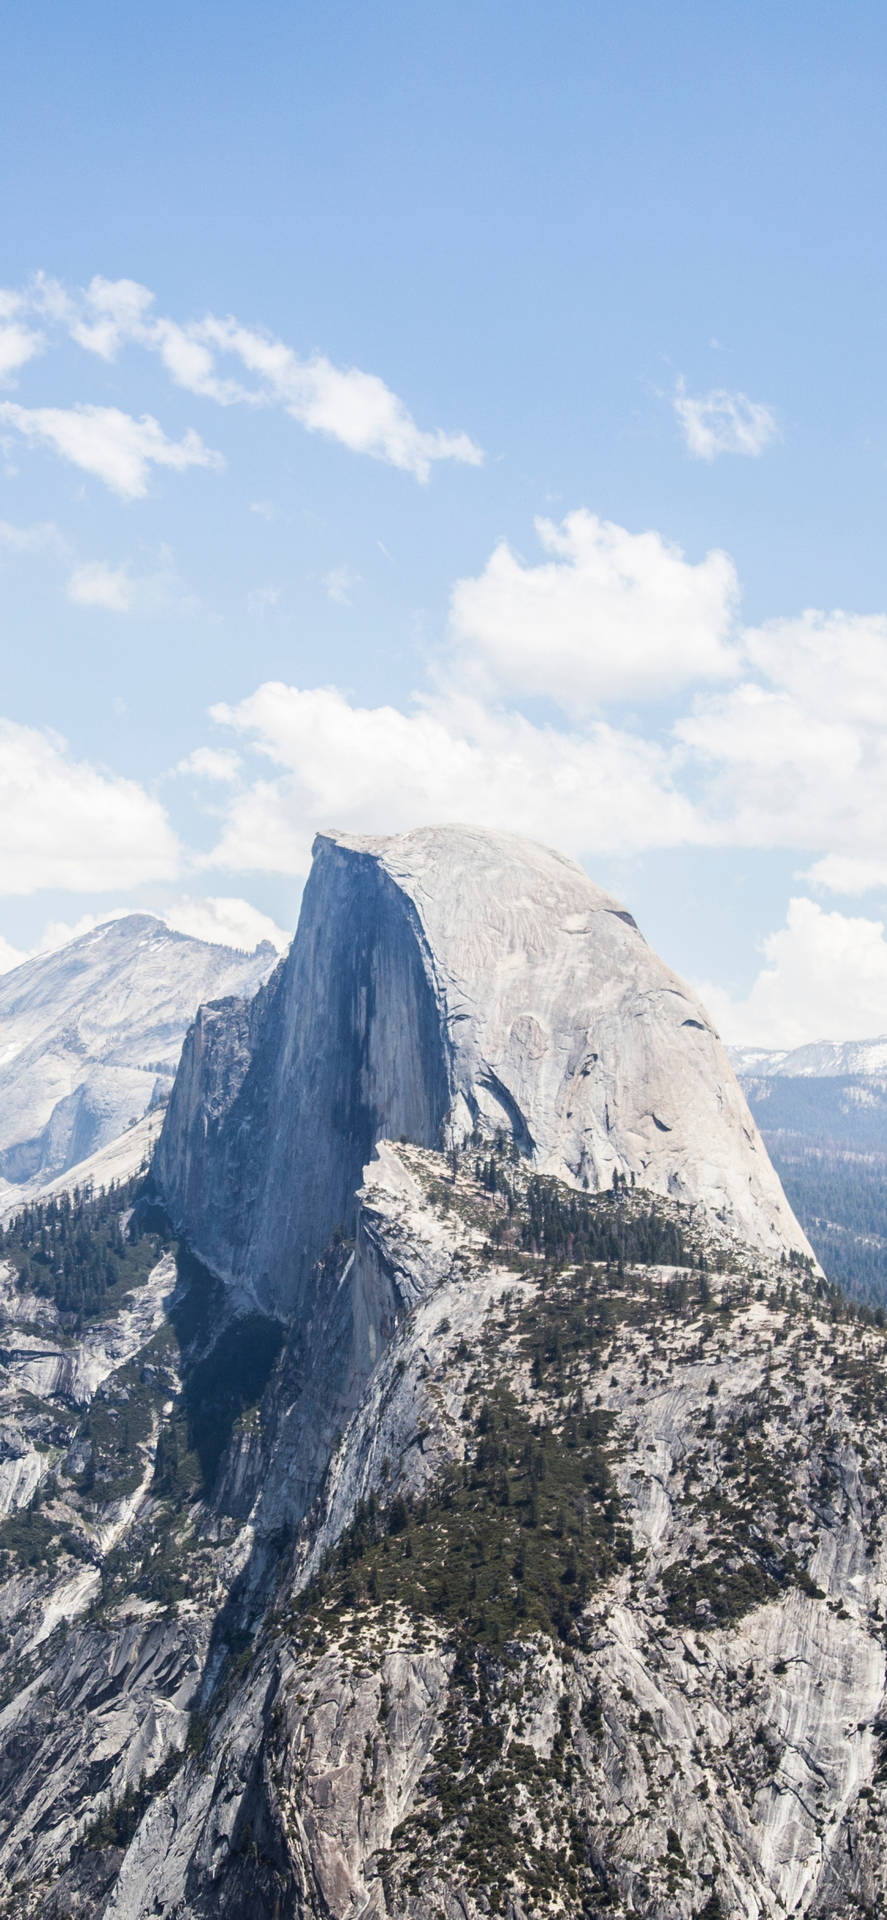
816, 1058
90, 1036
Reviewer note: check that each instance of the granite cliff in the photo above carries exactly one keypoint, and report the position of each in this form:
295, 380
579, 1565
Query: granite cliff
458, 1492
442, 982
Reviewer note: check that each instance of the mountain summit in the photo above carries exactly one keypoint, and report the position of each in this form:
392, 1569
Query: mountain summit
442, 983
90, 1036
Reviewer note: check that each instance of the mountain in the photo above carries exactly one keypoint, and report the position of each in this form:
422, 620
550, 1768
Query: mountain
500, 1533
450, 979
90, 1038
822, 1111
820, 1059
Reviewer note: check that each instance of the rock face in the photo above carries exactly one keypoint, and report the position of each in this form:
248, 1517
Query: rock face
442, 982
90, 1036
472, 1534
648, 1680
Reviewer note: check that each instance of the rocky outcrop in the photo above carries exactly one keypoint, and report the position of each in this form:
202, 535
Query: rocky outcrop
276, 1112
376, 1729
440, 983
481, 1510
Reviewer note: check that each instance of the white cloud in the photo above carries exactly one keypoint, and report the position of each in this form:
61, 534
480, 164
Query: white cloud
224, 921
835, 663
18, 345
10, 956
261, 600
345, 403
348, 405
825, 978
112, 445
68, 824
211, 763
845, 873
795, 757
610, 613
339, 582
95, 585
791, 756
723, 422
119, 590
43, 537
116, 309
379, 769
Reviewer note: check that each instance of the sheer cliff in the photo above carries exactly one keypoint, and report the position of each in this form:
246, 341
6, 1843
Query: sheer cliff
586, 1620
447, 1487
440, 982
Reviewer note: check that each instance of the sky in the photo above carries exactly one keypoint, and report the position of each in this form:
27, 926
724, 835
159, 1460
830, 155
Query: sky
414, 414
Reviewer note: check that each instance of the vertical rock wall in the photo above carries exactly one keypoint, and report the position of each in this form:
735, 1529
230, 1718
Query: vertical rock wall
277, 1109
451, 978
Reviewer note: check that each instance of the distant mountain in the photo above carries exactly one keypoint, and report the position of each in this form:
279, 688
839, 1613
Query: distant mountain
822, 1110
90, 1038
818, 1059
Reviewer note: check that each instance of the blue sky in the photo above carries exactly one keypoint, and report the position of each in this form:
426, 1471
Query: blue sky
414, 413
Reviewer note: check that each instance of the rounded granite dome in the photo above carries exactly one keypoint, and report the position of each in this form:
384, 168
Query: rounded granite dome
440, 982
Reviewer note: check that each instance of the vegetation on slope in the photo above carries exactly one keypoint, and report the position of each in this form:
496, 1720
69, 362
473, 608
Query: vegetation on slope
840, 1199
82, 1251
827, 1137
162, 1420
502, 1560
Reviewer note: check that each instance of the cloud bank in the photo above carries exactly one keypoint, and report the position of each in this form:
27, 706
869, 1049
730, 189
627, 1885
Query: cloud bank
70, 825
608, 614
449, 758
824, 978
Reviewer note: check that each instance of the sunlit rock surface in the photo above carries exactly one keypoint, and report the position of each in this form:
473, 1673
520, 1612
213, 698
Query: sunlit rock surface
90, 1037
439, 982
379, 1554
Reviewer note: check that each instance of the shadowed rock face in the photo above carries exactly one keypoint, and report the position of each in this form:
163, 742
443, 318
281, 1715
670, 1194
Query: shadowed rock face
278, 1107
441, 981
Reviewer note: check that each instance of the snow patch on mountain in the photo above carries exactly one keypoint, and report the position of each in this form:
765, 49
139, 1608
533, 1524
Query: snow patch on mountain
819, 1059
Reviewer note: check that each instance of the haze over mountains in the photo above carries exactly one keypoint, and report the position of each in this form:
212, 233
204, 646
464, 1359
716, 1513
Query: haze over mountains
822, 1110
